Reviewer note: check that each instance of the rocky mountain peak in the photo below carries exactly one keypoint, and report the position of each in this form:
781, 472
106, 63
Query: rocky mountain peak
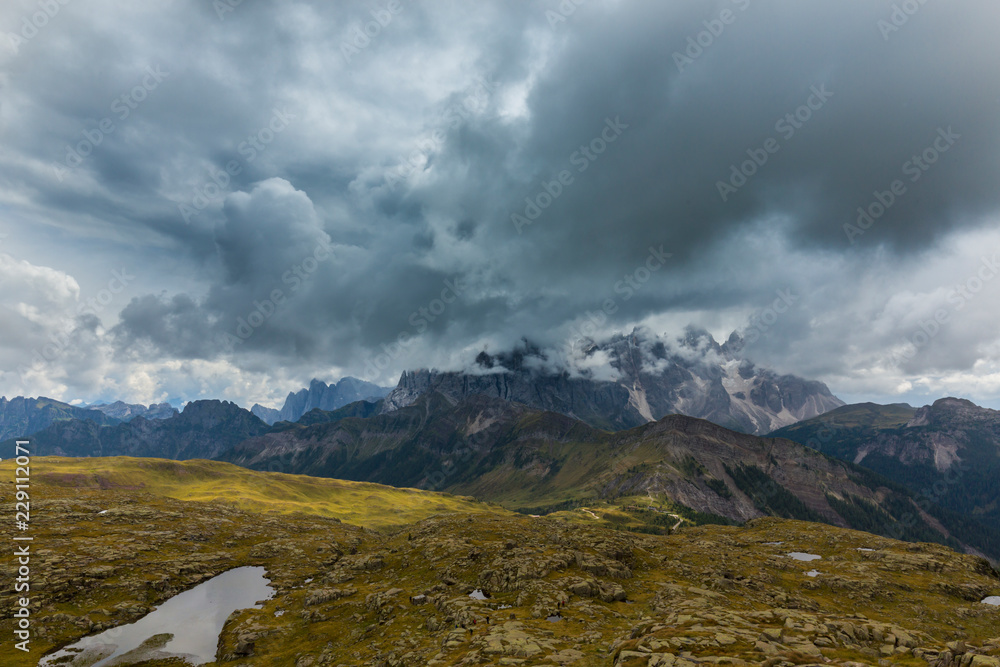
953, 411
641, 377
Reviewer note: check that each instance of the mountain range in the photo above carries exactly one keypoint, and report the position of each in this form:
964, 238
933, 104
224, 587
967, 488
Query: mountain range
641, 379
542, 461
21, 417
125, 411
320, 395
522, 429
535, 461
204, 429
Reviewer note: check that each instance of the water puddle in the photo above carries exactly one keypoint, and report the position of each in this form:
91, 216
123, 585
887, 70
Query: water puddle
186, 626
554, 617
798, 555
813, 573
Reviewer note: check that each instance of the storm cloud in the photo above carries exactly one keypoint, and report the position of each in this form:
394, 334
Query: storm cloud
302, 188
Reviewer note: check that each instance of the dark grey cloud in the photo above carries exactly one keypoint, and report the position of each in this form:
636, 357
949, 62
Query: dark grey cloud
274, 128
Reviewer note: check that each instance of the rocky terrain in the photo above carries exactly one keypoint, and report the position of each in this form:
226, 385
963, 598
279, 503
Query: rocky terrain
480, 588
653, 377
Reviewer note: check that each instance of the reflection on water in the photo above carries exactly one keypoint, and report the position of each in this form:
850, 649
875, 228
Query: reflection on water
185, 626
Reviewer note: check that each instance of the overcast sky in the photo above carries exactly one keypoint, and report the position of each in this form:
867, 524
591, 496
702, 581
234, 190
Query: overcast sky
227, 199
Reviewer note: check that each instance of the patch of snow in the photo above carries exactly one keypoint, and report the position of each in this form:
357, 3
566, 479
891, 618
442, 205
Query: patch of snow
798, 555
813, 573
637, 399
993, 600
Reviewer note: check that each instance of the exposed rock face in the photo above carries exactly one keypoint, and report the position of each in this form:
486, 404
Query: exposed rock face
128, 411
21, 417
948, 452
322, 396
654, 377
203, 430
601, 404
266, 415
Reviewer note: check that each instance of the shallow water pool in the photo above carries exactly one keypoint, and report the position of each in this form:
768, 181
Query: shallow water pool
186, 626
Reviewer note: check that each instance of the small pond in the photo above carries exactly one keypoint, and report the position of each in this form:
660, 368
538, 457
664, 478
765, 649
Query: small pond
185, 626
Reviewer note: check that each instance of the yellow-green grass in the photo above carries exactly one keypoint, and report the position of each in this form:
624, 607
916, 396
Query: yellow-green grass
358, 503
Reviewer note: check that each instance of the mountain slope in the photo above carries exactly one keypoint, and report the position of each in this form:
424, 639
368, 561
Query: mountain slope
948, 453
203, 430
361, 503
21, 417
524, 458
653, 377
